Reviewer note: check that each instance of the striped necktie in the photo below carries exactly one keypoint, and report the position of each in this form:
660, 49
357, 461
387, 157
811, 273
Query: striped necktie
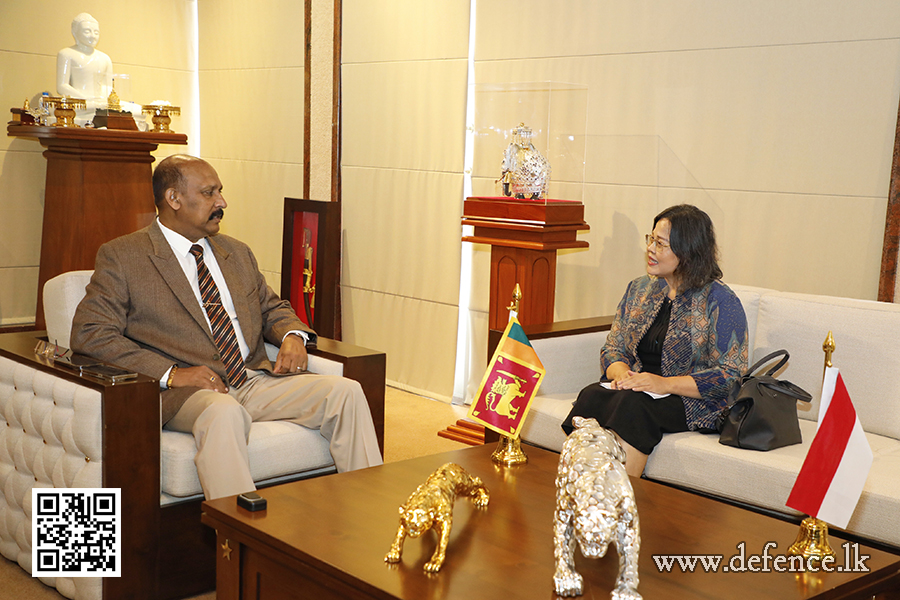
222, 330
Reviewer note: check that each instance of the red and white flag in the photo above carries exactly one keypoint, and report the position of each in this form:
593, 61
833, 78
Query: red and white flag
837, 464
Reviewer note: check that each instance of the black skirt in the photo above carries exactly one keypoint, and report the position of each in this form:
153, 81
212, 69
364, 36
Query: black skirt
636, 417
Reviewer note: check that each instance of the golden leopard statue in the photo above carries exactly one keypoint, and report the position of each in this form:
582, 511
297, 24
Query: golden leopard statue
431, 507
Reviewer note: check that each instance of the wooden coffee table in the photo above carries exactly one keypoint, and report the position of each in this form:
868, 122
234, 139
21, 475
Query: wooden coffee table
326, 538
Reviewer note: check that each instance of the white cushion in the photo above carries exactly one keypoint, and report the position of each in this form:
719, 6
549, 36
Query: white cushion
749, 297
571, 362
542, 425
61, 297
276, 448
865, 334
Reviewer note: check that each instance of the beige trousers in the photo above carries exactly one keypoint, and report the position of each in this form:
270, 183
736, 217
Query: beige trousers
220, 424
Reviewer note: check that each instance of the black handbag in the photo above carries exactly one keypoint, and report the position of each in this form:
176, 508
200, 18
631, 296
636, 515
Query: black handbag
762, 411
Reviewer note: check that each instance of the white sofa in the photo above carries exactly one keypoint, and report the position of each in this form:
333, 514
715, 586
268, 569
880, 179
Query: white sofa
866, 334
61, 430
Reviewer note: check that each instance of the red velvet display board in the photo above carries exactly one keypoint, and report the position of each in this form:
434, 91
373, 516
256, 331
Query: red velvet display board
306, 239
312, 242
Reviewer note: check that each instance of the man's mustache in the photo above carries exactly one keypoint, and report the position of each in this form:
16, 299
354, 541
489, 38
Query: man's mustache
217, 214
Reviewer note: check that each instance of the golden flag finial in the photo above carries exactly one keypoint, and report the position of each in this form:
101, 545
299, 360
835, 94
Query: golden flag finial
517, 296
828, 347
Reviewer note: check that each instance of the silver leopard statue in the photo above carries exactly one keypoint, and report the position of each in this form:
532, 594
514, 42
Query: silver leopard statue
594, 506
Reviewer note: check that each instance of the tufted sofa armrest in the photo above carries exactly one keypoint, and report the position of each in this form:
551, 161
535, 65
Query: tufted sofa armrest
62, 430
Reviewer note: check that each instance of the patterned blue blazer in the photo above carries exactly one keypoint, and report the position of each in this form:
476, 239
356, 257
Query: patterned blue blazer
707, 339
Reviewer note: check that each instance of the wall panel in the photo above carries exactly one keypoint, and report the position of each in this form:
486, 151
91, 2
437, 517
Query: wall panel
403, 123
535, 28
405, 115
418, 336
400, 228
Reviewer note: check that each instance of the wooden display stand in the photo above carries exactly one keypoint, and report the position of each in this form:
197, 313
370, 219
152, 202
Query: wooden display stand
98, 187
524, 236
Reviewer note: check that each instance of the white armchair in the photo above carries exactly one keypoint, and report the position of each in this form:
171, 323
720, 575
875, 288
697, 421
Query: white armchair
62, 430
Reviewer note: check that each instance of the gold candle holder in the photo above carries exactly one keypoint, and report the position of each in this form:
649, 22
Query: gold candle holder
64, 109
161, 118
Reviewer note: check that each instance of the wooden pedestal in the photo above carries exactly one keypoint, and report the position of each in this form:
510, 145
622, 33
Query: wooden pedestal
524, 236
98, 187
535, 272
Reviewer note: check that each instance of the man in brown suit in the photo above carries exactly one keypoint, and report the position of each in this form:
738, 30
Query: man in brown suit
144, 309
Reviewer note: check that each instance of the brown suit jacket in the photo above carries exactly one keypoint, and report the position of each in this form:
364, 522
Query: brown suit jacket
139, 311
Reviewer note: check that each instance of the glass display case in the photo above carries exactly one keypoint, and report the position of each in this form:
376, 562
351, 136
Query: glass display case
555, 112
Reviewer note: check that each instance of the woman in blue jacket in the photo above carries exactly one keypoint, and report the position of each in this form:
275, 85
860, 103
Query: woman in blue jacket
678, 342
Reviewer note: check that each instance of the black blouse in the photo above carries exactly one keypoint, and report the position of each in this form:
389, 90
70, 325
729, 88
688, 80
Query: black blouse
649, 350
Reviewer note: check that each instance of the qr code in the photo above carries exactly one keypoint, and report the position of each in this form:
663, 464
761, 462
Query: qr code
75, 532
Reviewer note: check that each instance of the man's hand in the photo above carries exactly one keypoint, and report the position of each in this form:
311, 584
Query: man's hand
201, 377
292, 355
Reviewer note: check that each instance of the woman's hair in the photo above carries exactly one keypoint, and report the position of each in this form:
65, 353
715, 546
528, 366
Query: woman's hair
693, 240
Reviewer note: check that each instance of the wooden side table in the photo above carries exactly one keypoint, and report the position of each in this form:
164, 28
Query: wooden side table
98, 187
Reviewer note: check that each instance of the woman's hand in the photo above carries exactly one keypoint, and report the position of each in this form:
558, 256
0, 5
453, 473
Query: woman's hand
616, 372
642, 382
683, 385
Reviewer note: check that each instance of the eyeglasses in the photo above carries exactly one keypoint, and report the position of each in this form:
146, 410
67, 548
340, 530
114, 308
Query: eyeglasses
651, 239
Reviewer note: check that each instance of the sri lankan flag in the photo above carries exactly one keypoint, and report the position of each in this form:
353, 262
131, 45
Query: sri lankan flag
512, 379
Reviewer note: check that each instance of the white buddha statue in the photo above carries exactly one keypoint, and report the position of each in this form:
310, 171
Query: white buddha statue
82, 71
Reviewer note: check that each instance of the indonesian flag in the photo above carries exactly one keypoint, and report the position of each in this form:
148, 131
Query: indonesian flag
512, 379
837, 464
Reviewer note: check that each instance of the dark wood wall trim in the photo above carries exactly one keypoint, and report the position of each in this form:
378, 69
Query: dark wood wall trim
17, 328
888, 280
336, 106
336, 151
307, 95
